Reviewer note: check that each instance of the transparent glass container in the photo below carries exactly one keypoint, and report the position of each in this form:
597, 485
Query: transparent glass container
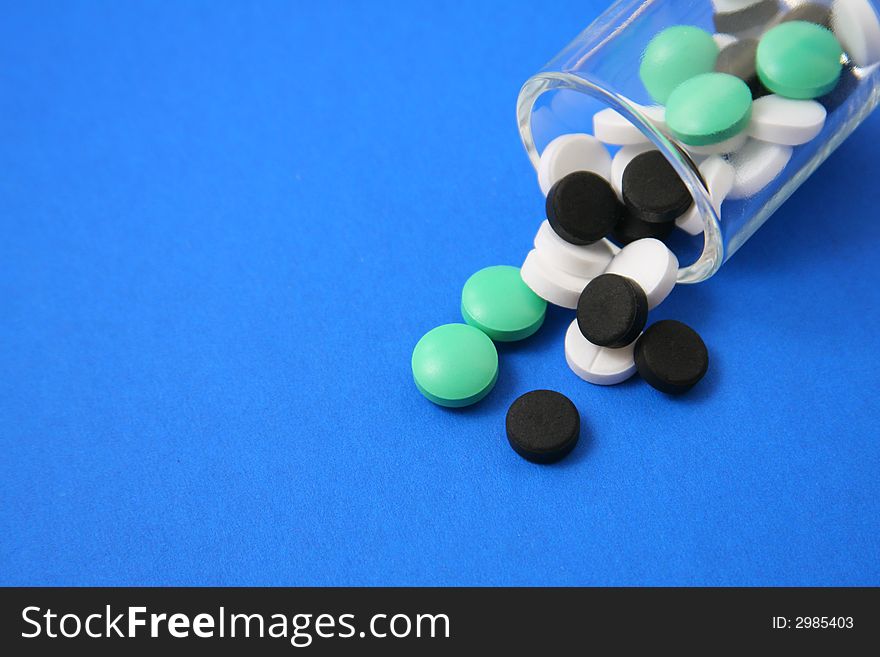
600, 69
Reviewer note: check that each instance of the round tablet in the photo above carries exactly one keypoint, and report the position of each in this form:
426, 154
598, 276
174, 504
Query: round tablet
671, 356
723, 40
856, 24
611, 127
569, 153
708, 109
650, 264
810, 12
675, 55
750, 17
630, 228
622, 159
653, 190
727, 146
585, 261
738, 59
598, 365
612, 311
799, 60
718, 176
498, 302
785, 120
543, 426
756, 165
550, 283
455, 365
582, 208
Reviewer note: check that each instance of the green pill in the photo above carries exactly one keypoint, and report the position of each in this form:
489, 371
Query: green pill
496, 301
455, 365
708, 109
799, 60
674, 55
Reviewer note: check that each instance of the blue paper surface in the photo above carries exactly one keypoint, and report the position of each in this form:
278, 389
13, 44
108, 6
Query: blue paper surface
226, 225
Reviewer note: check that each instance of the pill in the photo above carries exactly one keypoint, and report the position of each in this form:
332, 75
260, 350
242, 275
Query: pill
656, 114
543, 426
622, 159
612, 127
599, 365
652, 189
811, 12
498, 302
551, 284
586, 261
738, 59
630, 228
674, 55
718, 176
749, 18
582, 208
671, 356
724, 6
727, 146
708, 109
455, 365
612, 311
569, 153
785, 120
756, 165
650, 264
856, 25
723, 40
798, 60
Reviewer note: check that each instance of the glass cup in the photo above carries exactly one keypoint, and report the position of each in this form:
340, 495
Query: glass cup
600, 69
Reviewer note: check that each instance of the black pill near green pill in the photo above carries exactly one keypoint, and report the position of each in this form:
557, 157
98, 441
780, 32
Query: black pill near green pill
543, 426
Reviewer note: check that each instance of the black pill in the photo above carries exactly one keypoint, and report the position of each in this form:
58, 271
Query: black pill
671, 356
652, 190
810, 12
582, 208
630, 228
543, 426
612, 311
747, 18
738, 59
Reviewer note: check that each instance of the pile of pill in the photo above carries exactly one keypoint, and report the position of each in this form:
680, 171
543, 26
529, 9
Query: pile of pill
736, 103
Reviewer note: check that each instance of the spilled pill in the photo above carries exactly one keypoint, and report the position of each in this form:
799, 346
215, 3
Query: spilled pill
569, 153
650, 264
599, 365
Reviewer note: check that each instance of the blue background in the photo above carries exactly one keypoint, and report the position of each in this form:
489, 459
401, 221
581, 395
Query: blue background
224, 228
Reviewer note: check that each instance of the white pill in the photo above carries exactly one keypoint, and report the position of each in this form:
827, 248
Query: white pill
725, 6
857, 28
718, 175
621, 159
650, 264
569, 153
727, 146
756, 164
786, 121
724, 40
586, 262
656, 114
553, 285
612, 127
600, 365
